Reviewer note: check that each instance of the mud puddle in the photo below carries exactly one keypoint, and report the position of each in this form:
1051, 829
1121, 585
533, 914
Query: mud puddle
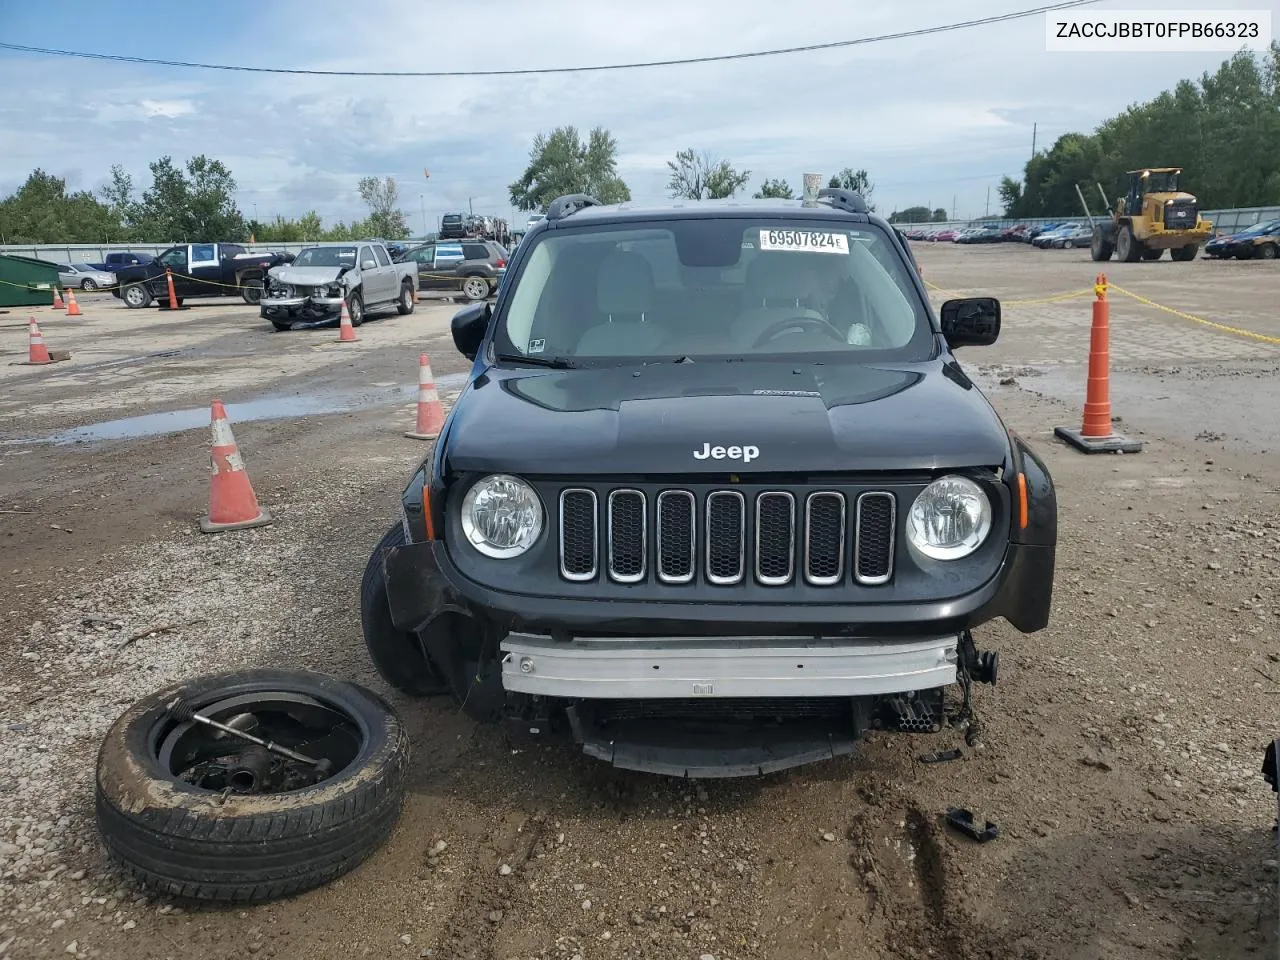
1210, 404
274, 407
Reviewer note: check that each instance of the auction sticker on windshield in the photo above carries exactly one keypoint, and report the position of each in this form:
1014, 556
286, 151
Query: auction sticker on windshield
812, 241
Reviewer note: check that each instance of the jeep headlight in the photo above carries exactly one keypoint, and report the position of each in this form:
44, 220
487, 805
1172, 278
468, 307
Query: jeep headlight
501, 516
950, 518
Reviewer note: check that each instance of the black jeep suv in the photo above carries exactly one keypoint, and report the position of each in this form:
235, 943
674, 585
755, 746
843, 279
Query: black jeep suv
717, 497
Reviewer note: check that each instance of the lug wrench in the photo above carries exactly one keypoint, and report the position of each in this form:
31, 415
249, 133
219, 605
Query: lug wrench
183, 711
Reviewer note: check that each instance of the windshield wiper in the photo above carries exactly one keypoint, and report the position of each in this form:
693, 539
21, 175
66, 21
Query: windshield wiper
555, 363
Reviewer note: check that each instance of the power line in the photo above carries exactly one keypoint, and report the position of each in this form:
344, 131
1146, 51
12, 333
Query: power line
719, 58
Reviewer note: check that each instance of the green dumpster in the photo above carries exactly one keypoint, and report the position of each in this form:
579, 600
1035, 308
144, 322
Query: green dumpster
26, 281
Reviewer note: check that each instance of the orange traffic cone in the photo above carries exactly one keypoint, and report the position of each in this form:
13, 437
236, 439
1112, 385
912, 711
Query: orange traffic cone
232, 503
57, 298
346, 332
430, 410
1096, 434
73, 308
37, 352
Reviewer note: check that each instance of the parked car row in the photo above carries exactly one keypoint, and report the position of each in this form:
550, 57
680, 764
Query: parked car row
1258, 242
1072, 233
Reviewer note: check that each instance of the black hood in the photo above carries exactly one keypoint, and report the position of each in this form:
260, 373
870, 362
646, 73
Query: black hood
767, 417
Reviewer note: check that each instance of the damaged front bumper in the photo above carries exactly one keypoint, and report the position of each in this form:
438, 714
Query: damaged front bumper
302, 313
746, 667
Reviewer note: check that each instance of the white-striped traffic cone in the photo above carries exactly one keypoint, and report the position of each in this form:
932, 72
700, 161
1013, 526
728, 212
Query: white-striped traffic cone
430, 410
232, 503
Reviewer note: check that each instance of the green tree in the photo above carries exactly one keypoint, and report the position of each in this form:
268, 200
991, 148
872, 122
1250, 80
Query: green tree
561, 163
41, 211
386, 219
856, 180
697, 176
911, 215
775, 189
119, 198
939, 215
197, 206
1010, 191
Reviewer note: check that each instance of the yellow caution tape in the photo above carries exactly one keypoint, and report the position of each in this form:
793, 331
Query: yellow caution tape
1191, 316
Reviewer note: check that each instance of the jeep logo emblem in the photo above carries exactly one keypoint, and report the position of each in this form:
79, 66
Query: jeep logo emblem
708, 452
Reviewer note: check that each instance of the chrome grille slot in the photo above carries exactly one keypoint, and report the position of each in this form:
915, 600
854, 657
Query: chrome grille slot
578, 537
874, 538
726, 537
677, 545
824, 534
775, 538
628, 536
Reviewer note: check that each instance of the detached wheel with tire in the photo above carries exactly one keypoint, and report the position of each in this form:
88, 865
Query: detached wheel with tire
398, 656
197, 813
136, 296
1101, 245
1183, 254
406, 303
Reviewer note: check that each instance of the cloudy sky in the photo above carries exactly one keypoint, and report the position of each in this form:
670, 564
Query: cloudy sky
935, 119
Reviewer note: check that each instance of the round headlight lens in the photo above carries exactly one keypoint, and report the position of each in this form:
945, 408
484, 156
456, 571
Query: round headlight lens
501, 516
949, 519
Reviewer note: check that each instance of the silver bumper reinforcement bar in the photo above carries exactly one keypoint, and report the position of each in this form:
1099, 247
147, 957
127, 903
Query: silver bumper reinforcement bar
683, 667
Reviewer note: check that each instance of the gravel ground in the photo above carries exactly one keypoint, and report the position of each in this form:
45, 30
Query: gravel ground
1122, 745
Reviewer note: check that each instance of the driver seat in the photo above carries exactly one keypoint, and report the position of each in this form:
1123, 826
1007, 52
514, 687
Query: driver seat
776, 290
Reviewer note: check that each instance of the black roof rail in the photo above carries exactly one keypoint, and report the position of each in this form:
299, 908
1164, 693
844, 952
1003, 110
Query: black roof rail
561, 207
847, 200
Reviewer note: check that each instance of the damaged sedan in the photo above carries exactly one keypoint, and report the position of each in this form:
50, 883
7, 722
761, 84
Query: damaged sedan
310, 291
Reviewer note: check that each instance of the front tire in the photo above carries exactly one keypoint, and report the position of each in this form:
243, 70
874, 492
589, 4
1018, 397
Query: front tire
1267, 251
355, 307
212, 836
136, 296
398, 656
88, 285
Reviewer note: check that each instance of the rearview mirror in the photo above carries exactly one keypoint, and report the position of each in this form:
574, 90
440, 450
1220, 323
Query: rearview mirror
971, 322
469, 326
368, 264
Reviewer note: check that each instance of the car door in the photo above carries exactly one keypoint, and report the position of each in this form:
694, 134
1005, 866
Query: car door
390, 281
204, 272
445, 269
175, 261
423, 258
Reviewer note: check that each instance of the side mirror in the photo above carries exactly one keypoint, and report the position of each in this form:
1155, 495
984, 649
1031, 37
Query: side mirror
368, 264
972, 322
469, 326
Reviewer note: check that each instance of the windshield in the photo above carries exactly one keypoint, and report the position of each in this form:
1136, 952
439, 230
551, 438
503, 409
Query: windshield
727, 288
326, 257
1161, 183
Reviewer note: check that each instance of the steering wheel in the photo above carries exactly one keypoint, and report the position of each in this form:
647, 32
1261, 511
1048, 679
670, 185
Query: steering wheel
774, 329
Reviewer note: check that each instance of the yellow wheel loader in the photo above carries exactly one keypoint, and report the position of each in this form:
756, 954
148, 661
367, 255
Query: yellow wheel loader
1152, 217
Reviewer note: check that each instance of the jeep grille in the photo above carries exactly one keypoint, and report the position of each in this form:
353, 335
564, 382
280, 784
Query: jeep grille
724, 536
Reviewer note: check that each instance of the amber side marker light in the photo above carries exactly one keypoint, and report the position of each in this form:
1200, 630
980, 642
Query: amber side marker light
1022, 501
431, 527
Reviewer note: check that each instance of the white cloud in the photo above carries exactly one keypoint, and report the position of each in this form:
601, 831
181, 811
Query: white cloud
929, 117
167, 108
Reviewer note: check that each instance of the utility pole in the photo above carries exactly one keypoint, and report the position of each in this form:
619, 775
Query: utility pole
953, 206
422, 200
988, 213
470, 209
1033, 139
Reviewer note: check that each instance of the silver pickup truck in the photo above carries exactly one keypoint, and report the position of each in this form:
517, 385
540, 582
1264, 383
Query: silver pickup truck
310, 291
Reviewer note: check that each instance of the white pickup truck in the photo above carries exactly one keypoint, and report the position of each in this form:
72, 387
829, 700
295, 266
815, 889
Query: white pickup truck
310, 291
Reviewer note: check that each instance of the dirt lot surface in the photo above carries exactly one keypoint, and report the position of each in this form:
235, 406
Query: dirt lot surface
1123, 744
